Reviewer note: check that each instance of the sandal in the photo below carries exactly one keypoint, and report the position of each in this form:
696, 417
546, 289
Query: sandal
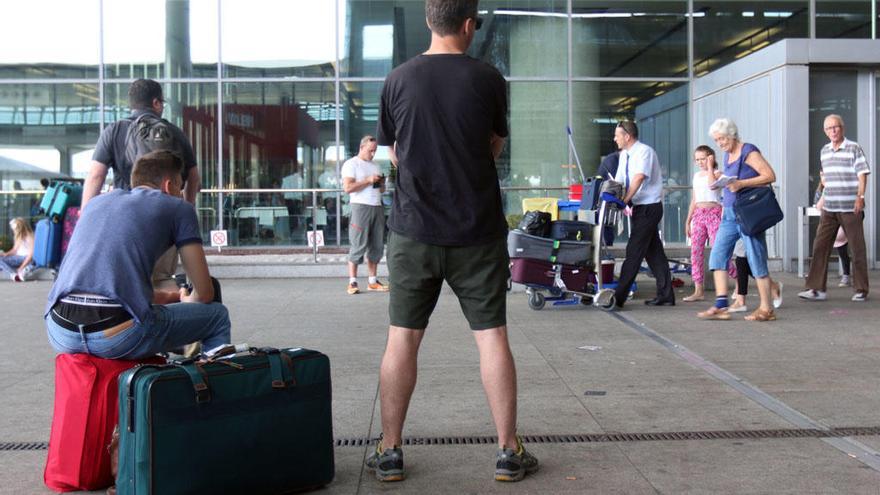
714, 313
761, 315
692, 298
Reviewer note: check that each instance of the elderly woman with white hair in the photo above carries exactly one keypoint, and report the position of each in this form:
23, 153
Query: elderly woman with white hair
744, 162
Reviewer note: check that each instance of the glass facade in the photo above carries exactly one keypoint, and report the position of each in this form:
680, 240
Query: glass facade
276, 94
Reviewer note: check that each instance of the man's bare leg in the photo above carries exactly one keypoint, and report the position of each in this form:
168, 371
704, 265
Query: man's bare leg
397, 380
372, 268
498, 372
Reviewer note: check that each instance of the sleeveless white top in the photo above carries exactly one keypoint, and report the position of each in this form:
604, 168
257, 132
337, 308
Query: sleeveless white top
702, 193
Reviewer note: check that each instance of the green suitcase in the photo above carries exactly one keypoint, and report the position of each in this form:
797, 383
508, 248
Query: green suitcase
253, 423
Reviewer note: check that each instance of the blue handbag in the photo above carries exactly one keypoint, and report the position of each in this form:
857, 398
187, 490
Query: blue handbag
756, 208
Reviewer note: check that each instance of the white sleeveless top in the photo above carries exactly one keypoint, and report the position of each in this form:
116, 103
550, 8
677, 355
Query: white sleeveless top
702, 193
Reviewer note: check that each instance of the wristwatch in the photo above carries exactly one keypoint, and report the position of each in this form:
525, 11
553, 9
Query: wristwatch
861, 196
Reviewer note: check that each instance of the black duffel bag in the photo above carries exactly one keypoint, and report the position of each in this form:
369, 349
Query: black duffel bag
536, 223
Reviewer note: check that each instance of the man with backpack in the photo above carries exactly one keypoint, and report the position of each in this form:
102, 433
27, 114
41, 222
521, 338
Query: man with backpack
126, 140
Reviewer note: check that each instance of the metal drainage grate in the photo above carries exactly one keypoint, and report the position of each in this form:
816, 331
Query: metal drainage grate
23, 446
853, 431
633, 437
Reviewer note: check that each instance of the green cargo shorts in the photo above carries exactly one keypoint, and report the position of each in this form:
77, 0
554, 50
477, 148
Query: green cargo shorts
477, 274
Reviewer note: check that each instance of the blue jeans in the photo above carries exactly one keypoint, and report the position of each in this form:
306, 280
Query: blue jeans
172, 326
9, 264
726, 237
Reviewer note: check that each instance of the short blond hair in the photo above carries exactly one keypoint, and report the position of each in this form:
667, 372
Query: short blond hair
367, 140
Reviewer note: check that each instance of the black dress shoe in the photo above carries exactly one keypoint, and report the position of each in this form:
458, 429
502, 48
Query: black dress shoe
660, 302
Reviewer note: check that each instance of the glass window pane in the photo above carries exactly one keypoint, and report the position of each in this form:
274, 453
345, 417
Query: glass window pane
524, 38
360, 112
37, 45
278, 38
660, 110
830, 92
44, 130
535, 155
727, 31
180, 41
629, 38
843, 19
277, 135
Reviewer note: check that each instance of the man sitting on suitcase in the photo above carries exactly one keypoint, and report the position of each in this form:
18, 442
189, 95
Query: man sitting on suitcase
103, 302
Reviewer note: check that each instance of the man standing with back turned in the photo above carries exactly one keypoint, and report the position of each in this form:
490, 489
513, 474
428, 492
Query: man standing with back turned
444, 114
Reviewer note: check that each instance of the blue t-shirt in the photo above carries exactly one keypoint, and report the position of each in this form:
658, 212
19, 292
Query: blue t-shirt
731, 169
116, 243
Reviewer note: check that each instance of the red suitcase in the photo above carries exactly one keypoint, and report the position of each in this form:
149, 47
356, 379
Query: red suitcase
86, 411
536, 272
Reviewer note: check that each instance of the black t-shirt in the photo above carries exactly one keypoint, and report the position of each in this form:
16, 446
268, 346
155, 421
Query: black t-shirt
441, 110
110, 150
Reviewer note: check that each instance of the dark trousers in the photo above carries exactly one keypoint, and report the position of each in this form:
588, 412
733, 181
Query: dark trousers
852, 225
644, 243
743, 272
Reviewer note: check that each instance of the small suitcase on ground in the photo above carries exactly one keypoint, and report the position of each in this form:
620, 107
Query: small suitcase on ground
536, 272
522, 245
86, 411
71, 216
570, 230
256, 422
47, 243
59, 197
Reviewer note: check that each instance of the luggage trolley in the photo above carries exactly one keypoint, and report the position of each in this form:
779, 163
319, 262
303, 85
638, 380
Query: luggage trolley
543, 264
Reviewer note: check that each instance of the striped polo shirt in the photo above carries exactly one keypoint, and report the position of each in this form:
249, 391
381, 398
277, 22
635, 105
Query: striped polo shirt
842, 168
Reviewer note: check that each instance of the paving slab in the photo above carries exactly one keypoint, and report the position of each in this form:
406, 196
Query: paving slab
820, 359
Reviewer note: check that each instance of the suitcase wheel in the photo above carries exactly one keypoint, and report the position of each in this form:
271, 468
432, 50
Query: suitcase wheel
605, 299
536, 300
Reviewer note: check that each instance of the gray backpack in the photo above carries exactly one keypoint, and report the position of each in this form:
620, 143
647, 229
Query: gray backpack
145, 134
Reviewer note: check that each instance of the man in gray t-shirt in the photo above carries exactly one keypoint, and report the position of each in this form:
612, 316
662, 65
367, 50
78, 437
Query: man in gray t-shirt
103, 303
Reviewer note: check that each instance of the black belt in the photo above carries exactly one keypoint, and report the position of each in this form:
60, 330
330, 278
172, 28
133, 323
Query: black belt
97, 326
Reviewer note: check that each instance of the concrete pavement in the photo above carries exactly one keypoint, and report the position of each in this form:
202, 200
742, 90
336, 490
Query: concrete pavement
581, 371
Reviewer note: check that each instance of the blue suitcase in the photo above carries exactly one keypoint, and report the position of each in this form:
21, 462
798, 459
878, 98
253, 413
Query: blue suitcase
60, 196
47, 243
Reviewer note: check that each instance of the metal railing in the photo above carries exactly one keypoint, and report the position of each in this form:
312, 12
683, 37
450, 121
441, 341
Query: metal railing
217, 211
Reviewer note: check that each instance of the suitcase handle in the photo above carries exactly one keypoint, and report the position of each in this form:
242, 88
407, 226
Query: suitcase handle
280, 366
197, 377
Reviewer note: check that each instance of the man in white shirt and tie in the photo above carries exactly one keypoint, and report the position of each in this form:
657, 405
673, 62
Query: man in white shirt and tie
639, 172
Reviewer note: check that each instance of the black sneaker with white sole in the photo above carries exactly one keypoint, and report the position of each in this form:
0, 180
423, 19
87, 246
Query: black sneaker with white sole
386, 463
514, 464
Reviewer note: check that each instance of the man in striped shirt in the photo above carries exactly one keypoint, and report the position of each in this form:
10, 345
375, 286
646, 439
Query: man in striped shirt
845, 176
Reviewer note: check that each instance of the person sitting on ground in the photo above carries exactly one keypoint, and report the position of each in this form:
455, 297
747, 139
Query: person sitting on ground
110, 310
18, 261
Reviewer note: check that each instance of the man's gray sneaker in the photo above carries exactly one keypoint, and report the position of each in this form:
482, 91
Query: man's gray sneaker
813, 295
859, 297
387, 463
513, 464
